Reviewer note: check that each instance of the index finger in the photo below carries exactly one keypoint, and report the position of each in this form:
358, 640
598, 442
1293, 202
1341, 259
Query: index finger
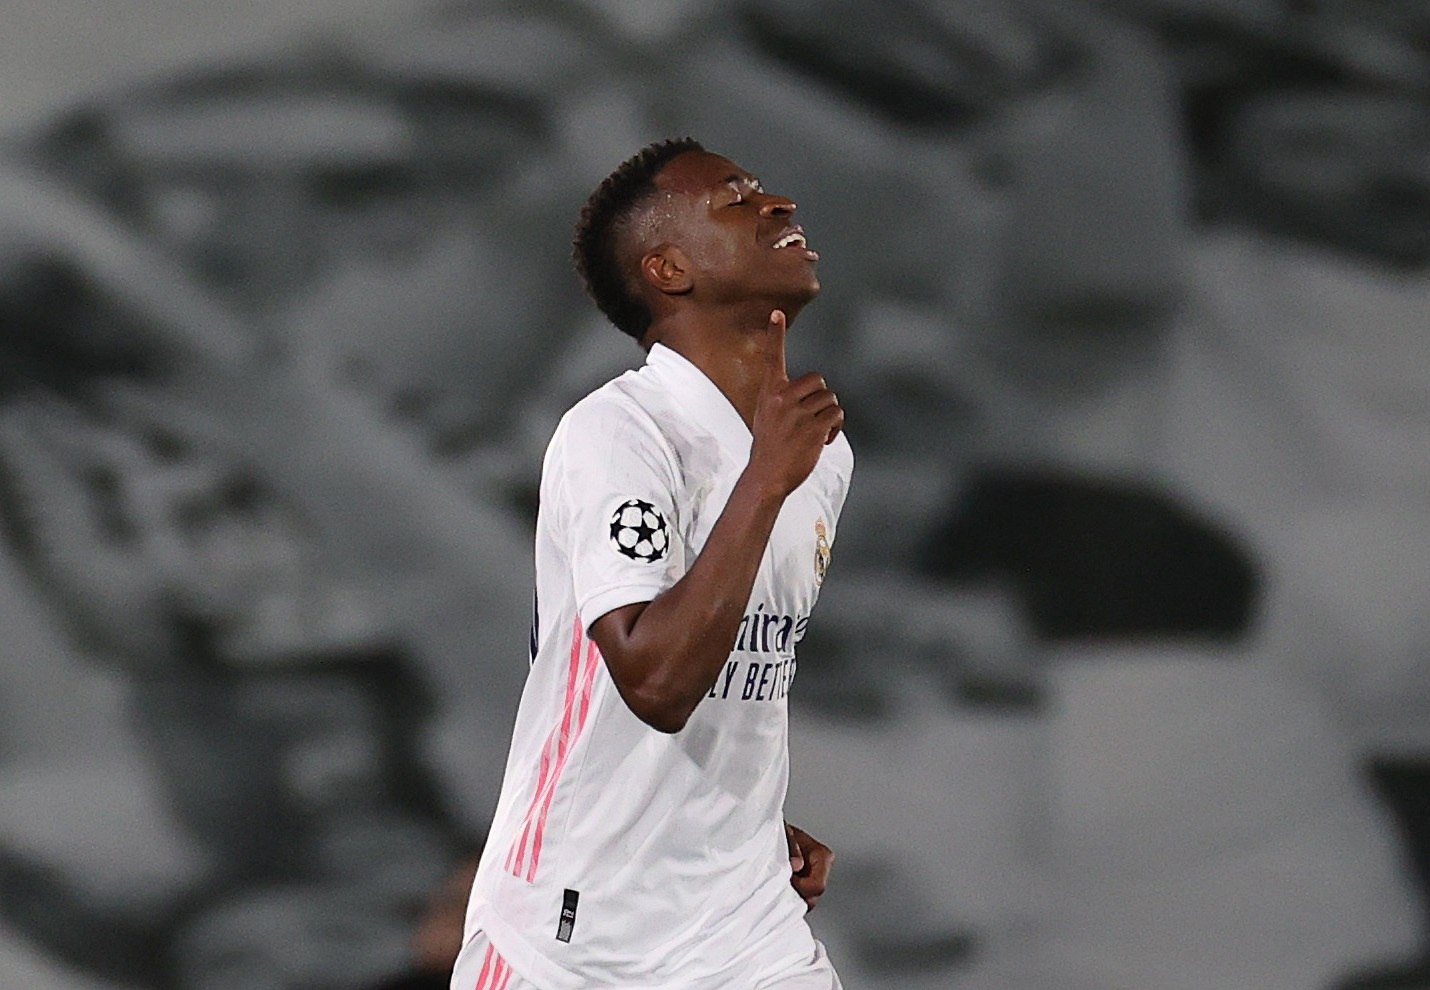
776, 370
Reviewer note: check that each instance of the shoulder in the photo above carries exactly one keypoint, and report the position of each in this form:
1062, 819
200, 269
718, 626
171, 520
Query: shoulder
623, 408
613, 428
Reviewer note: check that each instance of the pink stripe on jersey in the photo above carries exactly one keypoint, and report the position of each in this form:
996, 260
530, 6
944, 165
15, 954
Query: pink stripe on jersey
588, 678
553, 756
482, 983
555, 742
494, 977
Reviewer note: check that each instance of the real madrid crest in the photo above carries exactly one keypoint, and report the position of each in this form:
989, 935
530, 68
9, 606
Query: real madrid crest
821, 552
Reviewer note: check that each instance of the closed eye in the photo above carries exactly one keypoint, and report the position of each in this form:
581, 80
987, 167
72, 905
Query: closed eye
739, 185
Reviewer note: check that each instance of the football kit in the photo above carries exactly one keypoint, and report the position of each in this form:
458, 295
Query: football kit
621, 856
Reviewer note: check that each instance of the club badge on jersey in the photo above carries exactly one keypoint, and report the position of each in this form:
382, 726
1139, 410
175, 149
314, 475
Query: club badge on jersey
639, 531
821, 552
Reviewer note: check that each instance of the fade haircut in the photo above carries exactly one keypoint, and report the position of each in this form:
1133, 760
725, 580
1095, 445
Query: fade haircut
604, 219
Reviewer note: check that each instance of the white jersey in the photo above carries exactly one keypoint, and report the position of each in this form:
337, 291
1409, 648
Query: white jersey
620, 856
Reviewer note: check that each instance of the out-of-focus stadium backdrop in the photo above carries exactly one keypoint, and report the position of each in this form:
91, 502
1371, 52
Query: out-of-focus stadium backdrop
1122, 676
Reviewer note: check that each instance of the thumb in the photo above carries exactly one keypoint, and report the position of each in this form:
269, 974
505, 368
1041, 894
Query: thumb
776, 370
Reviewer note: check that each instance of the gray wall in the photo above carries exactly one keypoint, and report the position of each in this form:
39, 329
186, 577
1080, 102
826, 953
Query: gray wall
1120, 679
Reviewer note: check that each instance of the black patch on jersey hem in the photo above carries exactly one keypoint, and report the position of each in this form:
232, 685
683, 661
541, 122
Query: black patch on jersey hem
567, 923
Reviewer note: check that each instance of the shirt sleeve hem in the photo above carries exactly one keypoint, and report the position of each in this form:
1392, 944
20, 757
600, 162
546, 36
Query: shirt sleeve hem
605, 600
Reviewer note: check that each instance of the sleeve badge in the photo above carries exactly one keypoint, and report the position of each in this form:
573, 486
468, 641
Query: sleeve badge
639, 531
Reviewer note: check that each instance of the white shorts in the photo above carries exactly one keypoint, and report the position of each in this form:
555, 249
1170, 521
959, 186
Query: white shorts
482, 967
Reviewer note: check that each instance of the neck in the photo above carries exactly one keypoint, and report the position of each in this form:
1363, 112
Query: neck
729, 348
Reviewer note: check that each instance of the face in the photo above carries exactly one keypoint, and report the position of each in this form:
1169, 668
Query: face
740, 242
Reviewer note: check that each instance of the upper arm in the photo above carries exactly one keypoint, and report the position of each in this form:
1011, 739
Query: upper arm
617, 516
612, 634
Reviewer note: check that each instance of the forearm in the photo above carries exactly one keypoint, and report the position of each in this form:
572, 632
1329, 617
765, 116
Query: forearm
664, 656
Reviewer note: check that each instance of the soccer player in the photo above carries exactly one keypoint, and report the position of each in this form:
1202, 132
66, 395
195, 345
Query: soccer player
687, 513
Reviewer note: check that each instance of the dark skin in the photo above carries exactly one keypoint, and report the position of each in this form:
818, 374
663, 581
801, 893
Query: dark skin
724, 271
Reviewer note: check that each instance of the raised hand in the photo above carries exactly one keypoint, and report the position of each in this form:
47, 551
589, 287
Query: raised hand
794, 420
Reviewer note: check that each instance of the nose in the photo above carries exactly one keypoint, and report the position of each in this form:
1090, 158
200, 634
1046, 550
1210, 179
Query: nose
777, 206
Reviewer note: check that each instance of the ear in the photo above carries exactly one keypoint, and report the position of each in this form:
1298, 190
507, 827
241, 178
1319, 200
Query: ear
666, 269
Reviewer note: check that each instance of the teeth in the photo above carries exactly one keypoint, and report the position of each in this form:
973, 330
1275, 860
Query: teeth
790, 238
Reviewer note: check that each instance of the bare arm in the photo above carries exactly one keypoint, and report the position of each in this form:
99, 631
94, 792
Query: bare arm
664, 654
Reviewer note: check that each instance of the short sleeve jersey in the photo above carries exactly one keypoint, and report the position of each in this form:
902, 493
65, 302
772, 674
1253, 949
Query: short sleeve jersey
621, 856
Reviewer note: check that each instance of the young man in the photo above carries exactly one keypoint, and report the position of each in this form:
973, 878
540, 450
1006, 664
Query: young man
687, 514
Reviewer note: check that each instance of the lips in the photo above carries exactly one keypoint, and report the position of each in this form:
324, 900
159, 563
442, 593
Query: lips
794, 238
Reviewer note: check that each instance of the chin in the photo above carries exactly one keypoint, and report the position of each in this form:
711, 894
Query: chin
792, 296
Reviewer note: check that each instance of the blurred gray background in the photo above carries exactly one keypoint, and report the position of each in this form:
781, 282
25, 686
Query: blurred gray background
1121, 680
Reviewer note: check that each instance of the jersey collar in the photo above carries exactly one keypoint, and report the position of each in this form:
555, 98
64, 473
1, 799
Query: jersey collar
699, 397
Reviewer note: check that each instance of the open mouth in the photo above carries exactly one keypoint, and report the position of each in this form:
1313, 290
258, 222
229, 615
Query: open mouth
794, 238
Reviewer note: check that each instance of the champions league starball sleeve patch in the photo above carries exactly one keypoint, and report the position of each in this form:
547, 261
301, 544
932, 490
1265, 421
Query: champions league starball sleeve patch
639, 531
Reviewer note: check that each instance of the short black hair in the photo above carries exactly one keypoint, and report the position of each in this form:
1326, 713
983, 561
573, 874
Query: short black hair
607, 210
